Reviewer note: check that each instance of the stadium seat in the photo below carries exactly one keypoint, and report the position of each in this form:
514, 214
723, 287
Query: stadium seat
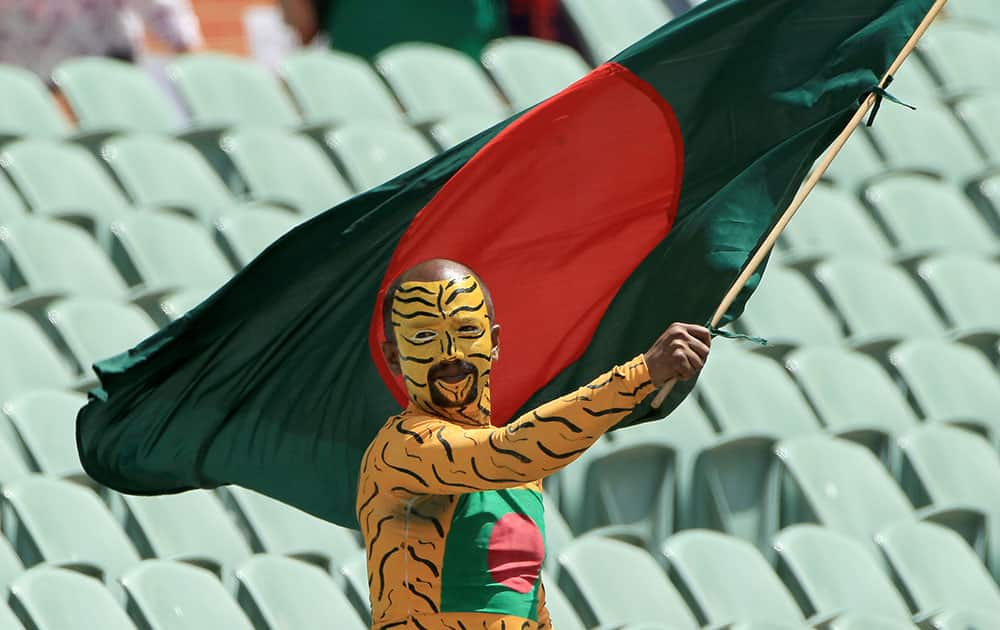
714, 570
49, 598
374, 154
180, 302
879, 303
938, 573
334, 88
10, 566
109, 95
927, 215
981, 11
852, 395
561, 612
831, 573
978, 113
8, 619
591, 497
276, 528
530, 70
355, 573
168, 174
12, 465
840, 485
94, 329
904, 137
832, 221
913, 83
558, 534
967, 289
45, 422
278, 592
163, 250
224, 91
176, 596
52, 258
433, 83
986, 193
12, 207
950, 382
956, 50
27, 110
64, 181
191, 526
60, 522
285, 169
592, 577
857, 161
789, 313
242, 234
453, 131
30, 361
607, 30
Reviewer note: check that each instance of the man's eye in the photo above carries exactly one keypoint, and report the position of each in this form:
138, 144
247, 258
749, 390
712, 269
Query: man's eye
469, 330
424, 335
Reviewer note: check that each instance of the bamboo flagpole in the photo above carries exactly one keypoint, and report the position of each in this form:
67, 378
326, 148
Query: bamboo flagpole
772, 237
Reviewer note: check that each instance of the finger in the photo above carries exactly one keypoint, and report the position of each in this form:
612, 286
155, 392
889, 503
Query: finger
682, 364
695, 361
700, 333
699, 348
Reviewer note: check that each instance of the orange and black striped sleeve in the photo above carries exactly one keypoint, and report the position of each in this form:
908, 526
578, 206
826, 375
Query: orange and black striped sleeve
429, 455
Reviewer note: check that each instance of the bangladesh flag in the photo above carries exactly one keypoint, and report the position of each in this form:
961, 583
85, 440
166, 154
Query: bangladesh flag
630, 200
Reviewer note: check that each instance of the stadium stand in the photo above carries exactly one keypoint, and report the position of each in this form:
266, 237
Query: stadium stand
856, 453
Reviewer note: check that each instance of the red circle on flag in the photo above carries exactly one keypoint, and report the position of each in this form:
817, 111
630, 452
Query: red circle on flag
516, 552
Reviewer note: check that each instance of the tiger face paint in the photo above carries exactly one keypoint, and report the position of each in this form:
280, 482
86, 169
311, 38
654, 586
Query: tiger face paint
443, 334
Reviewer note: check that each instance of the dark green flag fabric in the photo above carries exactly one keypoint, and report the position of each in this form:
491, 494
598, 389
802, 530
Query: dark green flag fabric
630, 200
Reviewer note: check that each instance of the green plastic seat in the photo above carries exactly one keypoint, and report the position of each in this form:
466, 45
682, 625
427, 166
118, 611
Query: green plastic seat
109, 95
987, 192
49, 597
530, 70
191, 526
167, 251
880, 303
829, 573
786, 310
27, 110
12, 207
558, 534
45, 422
839, 485
374, 154
924, 214
223, 90
355, 573
956, 51
913, 83
62, 180
561, 612
286, 169
177, 596
276, 528
279, 592
30, 361
159, 172
929, 139
950, 382
857, 162
63, 522
10, 566
180, 302
453, 131
607, 29
242, 234
334, 88
95, 329
832, 221
715, 570
978, 113
861, 621
55, 258
12, 463
967, 289
938, 573
852, 394
981, 11
592, 578
433, 83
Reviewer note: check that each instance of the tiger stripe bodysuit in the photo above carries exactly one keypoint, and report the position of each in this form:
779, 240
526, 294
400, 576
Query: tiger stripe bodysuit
450, 507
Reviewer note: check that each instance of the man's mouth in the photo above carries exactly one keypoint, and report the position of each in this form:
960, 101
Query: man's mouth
451, 372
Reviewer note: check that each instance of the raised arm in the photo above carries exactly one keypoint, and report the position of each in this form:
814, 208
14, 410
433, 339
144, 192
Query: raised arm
429, 455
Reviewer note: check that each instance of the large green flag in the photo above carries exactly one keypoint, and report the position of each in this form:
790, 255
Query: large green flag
630, 200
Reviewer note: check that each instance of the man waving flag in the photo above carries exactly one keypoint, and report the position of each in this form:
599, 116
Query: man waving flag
630, 200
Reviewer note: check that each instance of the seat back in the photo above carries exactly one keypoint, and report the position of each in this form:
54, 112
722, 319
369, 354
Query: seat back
955, 51
37, 364
951, 466
978, 113
948, 380
27, 109
905, 139
335, 87
715, 570
49, 597
607, 30
832, 221
96, 329
113, 95
373, 154
177, 595
12, 207
530, 70
45, 420
967, 288
247, 232
857, 161
787, 307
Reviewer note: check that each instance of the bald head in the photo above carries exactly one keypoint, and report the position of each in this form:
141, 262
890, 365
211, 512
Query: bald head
433, 270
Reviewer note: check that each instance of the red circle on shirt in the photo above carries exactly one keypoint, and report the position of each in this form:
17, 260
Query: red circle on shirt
516, 552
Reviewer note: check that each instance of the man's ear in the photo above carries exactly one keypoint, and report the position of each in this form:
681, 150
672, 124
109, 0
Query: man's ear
391, 354
495, 336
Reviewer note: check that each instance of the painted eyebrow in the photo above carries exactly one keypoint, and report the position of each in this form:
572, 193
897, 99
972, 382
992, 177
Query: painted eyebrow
459, 291
416, 314
469, 309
